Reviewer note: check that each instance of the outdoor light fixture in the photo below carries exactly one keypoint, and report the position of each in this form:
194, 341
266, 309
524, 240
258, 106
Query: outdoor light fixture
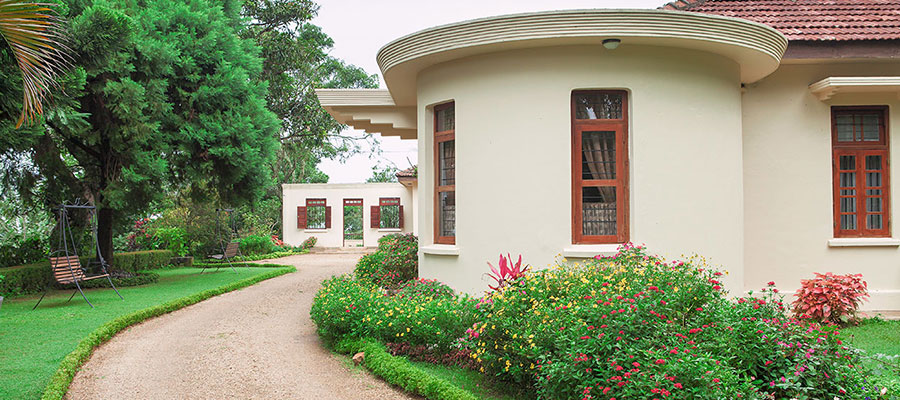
611, 44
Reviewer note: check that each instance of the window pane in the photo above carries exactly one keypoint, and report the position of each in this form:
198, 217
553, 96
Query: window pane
873, 221
848, 179
390, 217
848, 204
447, 218
873, 163
598, 106
848, 163
315, 217
598, 155
447, 153
598, 211
446, 119
844, 125
848, 222
873, 204
870, 125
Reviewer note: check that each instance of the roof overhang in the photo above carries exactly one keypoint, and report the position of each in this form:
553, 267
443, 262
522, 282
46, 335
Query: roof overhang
370, 110
757, 48
828, 87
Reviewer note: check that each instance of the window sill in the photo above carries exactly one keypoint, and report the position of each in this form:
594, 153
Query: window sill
863, 242
311, 230
390, 230
590, 250
440, 250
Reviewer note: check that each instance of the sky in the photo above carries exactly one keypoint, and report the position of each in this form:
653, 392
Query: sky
361, 27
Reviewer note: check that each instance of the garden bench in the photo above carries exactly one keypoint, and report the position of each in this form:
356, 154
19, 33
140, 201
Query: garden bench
230, 252
68, 270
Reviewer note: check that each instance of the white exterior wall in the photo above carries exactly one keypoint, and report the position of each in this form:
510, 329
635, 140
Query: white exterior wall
513, 155
788, 182
295, 195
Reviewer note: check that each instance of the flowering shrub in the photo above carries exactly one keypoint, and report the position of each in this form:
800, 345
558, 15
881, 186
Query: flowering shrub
347, 307
507, 271
257, 244
634, 326
309, 243
830, 298
396, 261
419, 288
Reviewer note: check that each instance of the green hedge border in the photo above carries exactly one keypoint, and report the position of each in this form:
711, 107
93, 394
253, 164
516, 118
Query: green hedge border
59, 383
400, 372
257, 257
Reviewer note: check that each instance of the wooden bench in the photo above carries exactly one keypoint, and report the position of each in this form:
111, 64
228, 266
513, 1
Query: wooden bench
231, 251
67, 270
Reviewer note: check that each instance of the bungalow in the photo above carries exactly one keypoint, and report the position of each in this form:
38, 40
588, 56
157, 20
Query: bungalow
757, 133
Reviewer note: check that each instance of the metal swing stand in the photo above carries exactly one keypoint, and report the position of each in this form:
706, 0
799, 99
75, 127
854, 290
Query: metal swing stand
229, 248
65, 262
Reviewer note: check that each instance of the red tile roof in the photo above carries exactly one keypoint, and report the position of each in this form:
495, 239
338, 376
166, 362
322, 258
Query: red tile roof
814, 20
410, 172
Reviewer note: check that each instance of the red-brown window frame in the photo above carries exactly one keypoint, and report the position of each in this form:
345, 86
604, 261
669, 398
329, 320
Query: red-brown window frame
860, 150
620, 126
318, 202
441, 137
390, 201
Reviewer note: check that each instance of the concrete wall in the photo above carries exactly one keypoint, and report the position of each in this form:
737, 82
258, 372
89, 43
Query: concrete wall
295, 195
513, 157
788, 182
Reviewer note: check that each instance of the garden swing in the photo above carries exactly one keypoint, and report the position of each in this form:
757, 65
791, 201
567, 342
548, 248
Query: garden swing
65, 263
230, 248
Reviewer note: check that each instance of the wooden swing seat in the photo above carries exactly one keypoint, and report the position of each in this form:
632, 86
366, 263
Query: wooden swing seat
230, 252
67, 270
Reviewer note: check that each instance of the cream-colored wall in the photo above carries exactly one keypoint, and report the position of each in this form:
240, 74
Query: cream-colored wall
788, 182
513, 159
295, 195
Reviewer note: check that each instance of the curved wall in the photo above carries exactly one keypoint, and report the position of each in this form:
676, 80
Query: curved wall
513, 160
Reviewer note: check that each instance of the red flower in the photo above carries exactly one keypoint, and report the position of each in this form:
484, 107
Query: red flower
660, 361
771, 283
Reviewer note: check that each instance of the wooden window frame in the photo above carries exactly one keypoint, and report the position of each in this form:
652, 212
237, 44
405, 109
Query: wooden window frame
620, 126
860, 150
315, 202
441, 137
389, 202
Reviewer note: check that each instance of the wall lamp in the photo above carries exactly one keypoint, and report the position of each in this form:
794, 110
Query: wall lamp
611, 44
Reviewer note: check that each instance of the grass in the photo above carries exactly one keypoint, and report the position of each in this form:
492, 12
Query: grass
49, 343
875, 336
470, 381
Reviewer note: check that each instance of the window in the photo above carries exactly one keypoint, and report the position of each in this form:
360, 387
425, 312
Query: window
599, 167
317, 214
388, 214
445, 174
860, 159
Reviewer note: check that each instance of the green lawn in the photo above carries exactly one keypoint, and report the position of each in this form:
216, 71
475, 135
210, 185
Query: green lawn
471, 381
874, 336
32, 343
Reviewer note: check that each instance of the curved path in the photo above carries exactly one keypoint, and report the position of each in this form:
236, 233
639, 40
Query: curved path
254, 343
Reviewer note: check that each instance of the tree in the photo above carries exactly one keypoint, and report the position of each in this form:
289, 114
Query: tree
34, 38
387, 173
166, 95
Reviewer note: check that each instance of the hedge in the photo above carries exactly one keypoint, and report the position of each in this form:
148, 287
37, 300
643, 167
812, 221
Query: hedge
33, 278
256, 257
59, 384
399, 371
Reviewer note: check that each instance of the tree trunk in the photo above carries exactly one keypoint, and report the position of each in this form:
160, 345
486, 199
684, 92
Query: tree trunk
105, 233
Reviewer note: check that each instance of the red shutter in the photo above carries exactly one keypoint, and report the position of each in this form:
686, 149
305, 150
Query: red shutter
328, 217
301, 217
375, 215
401, 218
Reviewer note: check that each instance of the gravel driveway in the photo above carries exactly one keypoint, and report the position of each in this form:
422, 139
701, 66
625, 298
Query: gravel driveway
254, 343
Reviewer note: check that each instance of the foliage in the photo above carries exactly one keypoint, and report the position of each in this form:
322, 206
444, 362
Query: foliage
257, 244
830, 298
386, 173
401, 256
36, 38
507, 272
20, 250
400, 372
51, 362
309, 243
420, 287
173, 239
33, 278
351, 308
636, 326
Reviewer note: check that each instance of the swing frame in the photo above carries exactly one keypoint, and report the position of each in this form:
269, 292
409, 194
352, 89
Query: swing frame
70, 270
225, 245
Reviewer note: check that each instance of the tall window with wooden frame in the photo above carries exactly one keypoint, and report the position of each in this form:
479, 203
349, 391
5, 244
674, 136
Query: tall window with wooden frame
315, 215
445, 174
388, 214
599, 167
860, 160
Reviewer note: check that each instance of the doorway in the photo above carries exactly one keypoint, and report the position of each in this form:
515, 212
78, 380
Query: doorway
353, 223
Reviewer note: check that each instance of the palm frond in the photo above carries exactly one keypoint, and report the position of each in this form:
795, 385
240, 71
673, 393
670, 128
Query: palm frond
36, 38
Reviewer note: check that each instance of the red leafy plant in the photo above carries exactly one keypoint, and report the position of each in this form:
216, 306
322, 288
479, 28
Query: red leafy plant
830, 298
507, 272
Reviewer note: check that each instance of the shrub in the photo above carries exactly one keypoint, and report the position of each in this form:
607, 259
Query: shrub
18, 250
257, 244
636, 326
309, 243
141, 260
830, 298
401, 255
173, 239
419, 288
350, 308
